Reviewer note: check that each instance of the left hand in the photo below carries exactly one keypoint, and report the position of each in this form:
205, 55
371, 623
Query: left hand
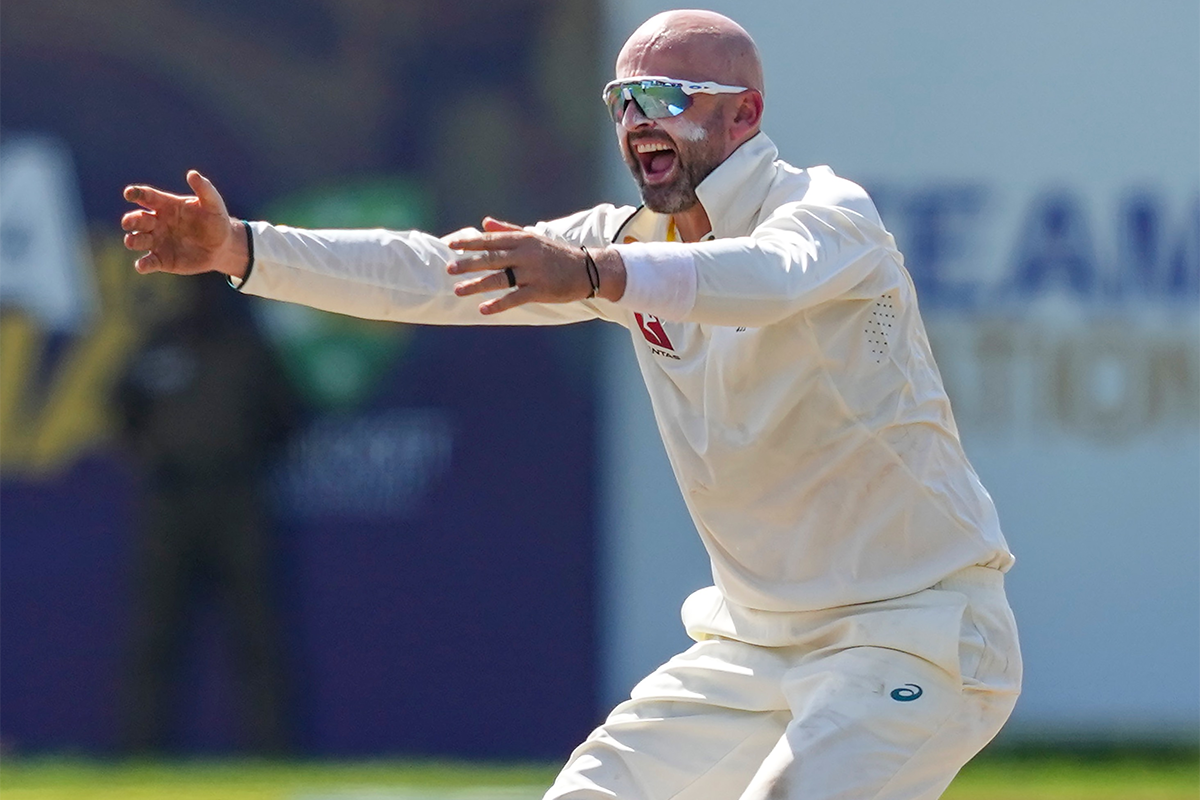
546, 271
185, 235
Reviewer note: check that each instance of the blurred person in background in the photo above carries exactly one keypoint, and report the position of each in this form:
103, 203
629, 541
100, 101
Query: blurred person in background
203, 411
857, 642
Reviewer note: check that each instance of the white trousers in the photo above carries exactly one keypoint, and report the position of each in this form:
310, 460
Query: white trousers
883, 701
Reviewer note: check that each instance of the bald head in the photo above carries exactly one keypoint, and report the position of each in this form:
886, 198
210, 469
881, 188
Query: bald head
670, 152
692, 45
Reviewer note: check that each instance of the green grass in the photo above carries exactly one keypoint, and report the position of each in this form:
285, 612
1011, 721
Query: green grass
1006, 776
78, 779
1071, 777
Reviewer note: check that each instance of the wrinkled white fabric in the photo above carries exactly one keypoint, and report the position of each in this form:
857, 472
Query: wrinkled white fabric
883, 701
797, 397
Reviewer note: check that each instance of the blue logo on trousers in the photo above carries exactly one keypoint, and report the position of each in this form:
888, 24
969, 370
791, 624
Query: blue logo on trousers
907, 692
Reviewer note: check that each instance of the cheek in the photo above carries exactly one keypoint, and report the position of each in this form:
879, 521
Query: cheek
705, 131
685, 130
627, 156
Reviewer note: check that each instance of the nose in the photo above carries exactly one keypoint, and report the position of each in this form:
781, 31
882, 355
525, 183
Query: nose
632, 117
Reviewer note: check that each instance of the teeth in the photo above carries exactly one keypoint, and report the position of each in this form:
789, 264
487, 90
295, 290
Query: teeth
651, 147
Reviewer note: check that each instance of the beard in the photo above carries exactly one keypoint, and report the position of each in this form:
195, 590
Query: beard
698, 151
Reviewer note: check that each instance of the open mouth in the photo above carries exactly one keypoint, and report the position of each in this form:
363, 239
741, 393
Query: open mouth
657, 159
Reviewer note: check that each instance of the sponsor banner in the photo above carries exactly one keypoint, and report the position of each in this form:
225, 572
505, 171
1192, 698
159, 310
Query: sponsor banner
47, 269
431, 529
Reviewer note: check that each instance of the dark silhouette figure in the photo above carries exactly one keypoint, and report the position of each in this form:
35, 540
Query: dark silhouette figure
204, 408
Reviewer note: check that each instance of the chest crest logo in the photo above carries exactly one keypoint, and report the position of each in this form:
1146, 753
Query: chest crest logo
652, 329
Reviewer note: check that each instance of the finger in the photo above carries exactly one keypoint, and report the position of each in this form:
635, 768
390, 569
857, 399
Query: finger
148, 263
139, 221
139, 241
493, 225
210, 198
151, 198
487, 260
461, 233
505, 240
517, 297
487, 283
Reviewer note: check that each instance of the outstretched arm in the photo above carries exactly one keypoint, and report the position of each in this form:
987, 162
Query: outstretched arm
378, 274
185, 235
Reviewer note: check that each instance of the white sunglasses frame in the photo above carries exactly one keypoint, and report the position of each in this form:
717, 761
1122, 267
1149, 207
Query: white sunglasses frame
687, 87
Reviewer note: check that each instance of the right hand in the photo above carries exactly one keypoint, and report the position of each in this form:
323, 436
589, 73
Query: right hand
185, 235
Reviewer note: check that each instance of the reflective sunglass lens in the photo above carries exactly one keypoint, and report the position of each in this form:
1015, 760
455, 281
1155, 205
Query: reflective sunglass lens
615, 100
663, 100
656, 100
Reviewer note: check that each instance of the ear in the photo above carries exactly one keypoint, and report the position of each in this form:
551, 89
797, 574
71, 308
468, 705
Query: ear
747, 114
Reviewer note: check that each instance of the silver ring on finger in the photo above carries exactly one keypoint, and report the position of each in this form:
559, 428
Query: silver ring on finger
512, 277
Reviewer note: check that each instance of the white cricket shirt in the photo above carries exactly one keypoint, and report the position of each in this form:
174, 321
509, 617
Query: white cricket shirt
787, 365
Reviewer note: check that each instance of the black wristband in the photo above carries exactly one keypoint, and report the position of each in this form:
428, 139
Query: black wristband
593, 272
250, 248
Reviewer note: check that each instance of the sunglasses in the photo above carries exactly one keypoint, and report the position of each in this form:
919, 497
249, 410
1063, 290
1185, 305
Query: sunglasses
658, 97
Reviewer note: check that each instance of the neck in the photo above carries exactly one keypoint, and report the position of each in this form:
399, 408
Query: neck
692, 224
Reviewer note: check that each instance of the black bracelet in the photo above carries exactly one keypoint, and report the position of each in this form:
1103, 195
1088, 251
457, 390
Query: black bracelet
250, 247
593, 272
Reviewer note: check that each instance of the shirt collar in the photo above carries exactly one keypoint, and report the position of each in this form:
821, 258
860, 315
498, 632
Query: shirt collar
734, 192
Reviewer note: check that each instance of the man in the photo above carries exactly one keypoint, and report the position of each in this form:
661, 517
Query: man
857, 643
203, 409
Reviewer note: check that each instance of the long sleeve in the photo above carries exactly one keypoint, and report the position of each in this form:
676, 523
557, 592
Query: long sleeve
805, 252
800, 257
379, 274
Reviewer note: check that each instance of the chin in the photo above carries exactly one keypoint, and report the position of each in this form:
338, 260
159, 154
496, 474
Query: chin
668, 199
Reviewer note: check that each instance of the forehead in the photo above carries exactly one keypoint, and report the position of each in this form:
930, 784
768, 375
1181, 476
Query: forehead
670, 59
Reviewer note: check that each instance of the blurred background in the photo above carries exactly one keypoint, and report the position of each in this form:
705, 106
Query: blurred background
325, 546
